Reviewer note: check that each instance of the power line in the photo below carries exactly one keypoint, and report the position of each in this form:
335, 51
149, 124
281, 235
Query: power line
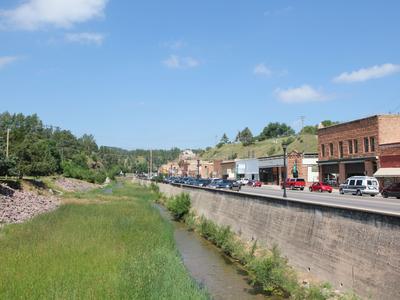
302, 118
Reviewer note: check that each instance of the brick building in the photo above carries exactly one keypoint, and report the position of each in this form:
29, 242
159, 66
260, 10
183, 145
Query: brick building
353, 148
389, 157
228, 169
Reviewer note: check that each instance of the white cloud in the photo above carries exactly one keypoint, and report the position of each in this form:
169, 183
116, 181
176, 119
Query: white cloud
367, 73
85, 38
177, 62
6, 60
304, 93
262, 69
36, 14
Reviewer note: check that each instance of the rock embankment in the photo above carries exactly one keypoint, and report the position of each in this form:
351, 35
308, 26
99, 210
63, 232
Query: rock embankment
74, 185
17, 206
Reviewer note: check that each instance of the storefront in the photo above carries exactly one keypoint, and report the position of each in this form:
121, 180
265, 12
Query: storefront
389, 171
271, 169
247, 168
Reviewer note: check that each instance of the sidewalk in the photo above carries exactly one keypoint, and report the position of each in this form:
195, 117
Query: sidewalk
278, 187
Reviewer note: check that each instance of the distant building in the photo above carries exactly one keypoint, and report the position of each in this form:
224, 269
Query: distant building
247, 168
354, 148
228, 169
300, 165
187, 155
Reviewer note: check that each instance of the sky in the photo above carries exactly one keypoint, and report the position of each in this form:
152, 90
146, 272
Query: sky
160, 74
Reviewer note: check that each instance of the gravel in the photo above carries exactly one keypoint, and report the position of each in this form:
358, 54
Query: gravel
74, 185
19, 206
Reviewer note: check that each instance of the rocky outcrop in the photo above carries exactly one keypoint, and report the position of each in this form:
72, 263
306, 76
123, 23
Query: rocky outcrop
17, 206
74, 185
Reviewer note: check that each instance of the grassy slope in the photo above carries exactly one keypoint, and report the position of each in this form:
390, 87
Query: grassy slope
96, 247
304, 143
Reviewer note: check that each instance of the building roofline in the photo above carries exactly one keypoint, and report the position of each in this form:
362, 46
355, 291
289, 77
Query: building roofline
361, 119
389, 144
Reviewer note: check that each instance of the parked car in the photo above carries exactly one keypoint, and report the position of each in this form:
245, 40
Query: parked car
359, 185
254, 183
226, 184
244, 181
320, 187
392, 190
295, 183
203, 182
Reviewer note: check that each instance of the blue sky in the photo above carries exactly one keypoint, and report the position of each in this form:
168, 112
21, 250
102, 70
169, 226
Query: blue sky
158, 74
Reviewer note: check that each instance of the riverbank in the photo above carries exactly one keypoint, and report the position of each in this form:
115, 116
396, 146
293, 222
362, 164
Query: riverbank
97, 245
268, 269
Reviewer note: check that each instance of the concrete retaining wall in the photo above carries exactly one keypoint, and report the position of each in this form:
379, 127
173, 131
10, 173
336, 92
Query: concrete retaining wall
353, 250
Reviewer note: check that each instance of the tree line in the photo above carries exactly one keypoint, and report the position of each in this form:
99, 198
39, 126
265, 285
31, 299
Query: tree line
272, 130
39, 150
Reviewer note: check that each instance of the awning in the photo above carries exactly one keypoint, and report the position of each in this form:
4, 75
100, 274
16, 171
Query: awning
388, 172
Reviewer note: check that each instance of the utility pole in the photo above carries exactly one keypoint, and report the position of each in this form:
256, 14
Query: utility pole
302, 118
151, 163
8, 142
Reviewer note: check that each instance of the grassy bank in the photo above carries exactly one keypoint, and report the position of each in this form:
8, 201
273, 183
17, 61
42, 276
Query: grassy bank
96, 246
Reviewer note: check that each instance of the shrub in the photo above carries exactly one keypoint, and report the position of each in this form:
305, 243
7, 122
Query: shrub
314, 292
208, 229
154, 188
273, 274
190, 221
179, 206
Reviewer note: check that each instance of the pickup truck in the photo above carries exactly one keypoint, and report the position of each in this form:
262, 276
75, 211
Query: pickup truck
295, 183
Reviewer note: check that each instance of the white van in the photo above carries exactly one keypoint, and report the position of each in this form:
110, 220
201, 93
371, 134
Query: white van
359, 185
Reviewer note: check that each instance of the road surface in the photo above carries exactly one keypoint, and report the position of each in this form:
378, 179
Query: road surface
376, 204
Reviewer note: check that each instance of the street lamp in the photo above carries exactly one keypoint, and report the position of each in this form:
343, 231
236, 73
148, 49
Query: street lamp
284, 146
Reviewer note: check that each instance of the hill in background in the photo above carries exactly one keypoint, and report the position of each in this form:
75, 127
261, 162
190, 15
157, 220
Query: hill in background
303, 143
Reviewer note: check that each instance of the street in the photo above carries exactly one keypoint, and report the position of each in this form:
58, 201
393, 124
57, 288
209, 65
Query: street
376, 204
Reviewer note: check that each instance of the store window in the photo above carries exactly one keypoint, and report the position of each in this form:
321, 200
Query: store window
341, 149
372, 143
366, 145
350, 146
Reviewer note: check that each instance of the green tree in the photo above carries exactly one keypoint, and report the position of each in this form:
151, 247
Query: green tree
309, 130
88, 144
224, 140
246, 137
275, 130
327, 123
37, 157
7, 165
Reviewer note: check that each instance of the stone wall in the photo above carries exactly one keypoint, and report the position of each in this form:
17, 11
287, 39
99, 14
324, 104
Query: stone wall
353, 250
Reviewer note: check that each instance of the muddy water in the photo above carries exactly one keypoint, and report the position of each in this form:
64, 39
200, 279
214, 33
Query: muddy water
222, 278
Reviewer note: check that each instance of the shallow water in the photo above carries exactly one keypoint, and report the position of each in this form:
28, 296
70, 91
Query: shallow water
211, 269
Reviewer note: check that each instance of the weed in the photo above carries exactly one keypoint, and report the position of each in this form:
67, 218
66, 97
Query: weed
179, 206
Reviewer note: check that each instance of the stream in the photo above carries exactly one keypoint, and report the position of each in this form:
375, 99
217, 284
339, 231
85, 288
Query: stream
210, 268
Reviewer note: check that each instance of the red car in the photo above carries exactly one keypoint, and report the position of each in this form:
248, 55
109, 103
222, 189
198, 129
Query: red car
320, 187
295, 183
391, 191
254, 183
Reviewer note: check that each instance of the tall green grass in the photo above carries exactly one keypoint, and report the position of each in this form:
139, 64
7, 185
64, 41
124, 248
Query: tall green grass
116, 248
